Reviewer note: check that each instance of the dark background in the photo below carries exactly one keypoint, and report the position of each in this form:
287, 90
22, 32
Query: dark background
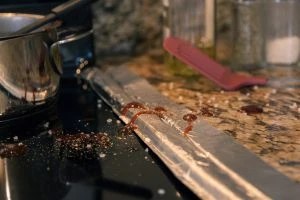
7, 2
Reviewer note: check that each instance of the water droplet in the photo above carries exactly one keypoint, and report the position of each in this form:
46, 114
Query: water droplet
147, 140
102, 155
161, 191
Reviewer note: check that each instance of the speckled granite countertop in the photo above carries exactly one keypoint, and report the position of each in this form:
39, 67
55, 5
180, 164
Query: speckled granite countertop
269, 127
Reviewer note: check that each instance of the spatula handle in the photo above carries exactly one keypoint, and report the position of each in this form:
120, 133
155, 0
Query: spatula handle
193, 57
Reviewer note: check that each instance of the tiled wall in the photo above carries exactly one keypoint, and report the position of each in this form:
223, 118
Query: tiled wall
127, 26
134, 26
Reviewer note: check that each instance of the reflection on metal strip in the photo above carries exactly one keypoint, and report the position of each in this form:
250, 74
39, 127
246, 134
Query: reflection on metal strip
209, 162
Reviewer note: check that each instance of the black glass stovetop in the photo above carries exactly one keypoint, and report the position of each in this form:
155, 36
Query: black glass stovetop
37, 164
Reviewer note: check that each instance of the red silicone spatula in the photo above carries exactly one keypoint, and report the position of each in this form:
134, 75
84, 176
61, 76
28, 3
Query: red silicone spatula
222, 76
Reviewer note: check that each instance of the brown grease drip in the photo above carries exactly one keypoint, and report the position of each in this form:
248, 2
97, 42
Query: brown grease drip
130, 127
148, 112
131, 105
57, 131
190, 118
132, 149
27, 86
252, 109
188, 129
205, 112
42, 69
81, 140
28, 81
12, 150
33, 94
127, 130
160, 109
77, 145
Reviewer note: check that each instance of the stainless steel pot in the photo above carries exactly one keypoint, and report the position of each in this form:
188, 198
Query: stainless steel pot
30, 66
74, 42
11, 22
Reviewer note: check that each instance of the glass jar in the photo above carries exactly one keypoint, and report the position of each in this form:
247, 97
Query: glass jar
282, 32
248, 34
193, 21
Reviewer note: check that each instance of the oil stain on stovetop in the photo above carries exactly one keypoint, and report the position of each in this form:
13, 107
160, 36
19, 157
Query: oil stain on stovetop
78, 153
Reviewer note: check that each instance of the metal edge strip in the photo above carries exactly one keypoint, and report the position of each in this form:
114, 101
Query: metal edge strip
118, 91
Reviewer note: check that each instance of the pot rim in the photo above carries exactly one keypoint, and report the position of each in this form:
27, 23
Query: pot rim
12, 14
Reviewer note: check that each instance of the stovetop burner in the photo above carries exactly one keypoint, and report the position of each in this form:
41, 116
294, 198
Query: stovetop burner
14, 120
61, 160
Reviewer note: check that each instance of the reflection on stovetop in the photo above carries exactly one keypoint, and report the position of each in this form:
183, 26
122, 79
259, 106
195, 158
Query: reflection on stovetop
58, 157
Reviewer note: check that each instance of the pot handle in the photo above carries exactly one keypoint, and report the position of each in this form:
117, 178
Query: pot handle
73, 34
55, 58
66, 36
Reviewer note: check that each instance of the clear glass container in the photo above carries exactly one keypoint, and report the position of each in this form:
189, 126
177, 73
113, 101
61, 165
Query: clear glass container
282, 38
248, 34
194, 21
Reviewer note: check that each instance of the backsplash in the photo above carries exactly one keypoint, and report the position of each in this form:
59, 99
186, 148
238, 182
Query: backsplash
128, 27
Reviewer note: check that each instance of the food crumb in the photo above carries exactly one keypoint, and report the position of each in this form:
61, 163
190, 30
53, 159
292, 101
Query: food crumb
48, 168
102, 155
294, 106
84, 86
109, 120
171, 86
147, 140
290, 89
15, 138
46, 125
200, 102
274, 91
118, 122
267, 96
161, 191
88, 146
165, 93
147, 150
